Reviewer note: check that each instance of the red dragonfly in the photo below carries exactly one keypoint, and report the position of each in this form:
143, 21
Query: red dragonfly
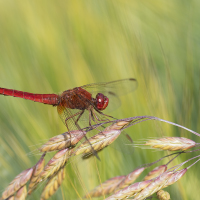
72, 104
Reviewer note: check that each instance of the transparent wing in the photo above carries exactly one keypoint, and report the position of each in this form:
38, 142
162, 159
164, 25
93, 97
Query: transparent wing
112, 90
118, 87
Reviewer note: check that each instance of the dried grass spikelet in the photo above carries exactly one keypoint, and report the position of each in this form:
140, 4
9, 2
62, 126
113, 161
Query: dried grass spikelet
21, 193
162, 181
171, 143
53, 184
129, 190
130, 178
102, 139
37, 169
63, 141
175, 177
17, 183
155, 172
9, 198
154, 186
163, 195
55, 164
106, 187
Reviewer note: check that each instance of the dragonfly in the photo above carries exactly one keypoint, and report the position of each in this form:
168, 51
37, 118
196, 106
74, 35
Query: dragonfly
72, 104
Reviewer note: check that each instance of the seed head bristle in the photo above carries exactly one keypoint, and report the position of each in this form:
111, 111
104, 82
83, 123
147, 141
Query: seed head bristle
53, 184
17, 183
171, 143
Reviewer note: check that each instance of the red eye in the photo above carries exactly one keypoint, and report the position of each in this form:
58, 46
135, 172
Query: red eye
101, 101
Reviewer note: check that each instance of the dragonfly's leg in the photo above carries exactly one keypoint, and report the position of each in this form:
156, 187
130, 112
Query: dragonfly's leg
104, 115
80, 114
90, 116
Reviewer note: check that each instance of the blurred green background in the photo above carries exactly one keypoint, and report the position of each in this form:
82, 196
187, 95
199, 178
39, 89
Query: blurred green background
51, 46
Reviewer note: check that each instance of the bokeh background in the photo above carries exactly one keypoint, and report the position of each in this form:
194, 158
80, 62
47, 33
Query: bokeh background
51, 46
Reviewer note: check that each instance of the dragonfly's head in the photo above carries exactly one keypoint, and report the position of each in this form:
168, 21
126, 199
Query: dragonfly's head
101, 101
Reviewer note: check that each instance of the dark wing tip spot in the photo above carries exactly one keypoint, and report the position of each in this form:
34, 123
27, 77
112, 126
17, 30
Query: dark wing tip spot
112, 93
132, 79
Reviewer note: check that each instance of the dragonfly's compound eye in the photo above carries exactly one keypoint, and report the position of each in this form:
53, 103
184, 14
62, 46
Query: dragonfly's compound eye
101, 101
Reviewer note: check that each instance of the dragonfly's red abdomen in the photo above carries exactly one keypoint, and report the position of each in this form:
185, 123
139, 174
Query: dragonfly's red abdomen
51, 99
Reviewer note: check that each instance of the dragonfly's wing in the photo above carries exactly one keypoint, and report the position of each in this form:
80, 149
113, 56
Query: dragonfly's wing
112, 90
68, 117
119, 87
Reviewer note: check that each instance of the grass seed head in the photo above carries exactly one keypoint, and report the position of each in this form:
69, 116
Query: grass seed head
17, 183
155, 186
163, 195
175, 177
36, 175
98, 142
156, 172
21, 193
171, 143
63, 141
53, 184
129, 191
105, 188
130, 178
55, 164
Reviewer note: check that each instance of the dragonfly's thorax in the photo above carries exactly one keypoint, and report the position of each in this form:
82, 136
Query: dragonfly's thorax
76, 98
